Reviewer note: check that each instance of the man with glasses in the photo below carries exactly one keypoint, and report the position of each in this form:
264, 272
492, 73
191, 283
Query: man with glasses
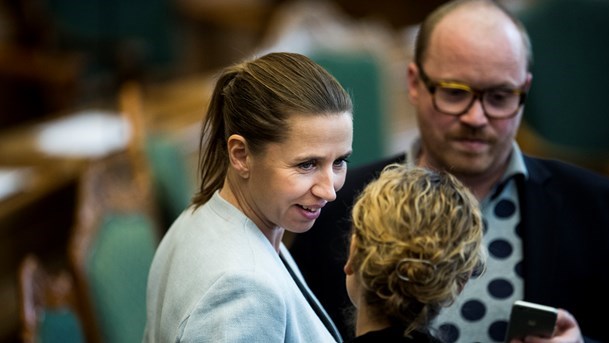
547, 223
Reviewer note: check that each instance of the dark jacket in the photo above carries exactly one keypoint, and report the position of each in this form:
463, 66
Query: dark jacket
395, 335
564, 227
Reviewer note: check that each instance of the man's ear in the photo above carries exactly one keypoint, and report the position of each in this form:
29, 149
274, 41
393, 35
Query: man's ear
348, 269
413, 78
238, 155
528, 82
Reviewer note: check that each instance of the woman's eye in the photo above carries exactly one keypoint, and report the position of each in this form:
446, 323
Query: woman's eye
307, 165
340, 162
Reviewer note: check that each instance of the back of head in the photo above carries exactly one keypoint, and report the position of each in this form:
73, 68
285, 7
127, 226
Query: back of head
478, 10
254, 99
419, 239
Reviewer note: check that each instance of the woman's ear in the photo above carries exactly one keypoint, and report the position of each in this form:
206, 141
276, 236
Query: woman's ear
238, 155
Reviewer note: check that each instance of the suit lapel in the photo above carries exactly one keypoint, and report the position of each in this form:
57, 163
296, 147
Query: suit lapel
538, 216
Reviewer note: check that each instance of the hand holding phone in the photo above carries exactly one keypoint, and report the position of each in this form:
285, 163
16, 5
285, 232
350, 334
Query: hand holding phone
530, 319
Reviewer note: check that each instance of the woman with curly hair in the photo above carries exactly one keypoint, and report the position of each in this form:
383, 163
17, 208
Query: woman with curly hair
416, 241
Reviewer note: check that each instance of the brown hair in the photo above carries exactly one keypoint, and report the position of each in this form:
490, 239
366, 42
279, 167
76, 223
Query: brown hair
254, 99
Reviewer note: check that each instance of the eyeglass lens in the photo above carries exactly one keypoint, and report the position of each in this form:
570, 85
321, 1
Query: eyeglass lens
457, 100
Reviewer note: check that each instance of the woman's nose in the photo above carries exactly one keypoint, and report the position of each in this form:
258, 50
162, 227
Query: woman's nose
324, 186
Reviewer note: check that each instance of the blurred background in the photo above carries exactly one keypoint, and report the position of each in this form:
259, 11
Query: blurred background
101, 102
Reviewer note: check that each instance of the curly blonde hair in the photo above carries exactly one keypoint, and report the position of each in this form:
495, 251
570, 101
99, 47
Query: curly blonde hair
418, 240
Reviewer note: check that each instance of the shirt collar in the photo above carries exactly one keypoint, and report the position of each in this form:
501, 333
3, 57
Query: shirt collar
516, 164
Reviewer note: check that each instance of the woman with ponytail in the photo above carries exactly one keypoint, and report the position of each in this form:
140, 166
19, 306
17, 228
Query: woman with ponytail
274, 148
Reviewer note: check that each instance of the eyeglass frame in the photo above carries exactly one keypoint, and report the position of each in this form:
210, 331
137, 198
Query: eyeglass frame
478, 94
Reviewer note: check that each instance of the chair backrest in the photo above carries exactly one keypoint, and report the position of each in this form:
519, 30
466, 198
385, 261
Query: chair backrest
173, 181
361, 75
117, 271
48, 305
112, 247
159, 153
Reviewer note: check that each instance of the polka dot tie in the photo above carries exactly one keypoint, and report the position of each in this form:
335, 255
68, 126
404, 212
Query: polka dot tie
481, 311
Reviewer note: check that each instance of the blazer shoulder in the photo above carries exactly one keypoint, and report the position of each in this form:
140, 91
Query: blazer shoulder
555, 171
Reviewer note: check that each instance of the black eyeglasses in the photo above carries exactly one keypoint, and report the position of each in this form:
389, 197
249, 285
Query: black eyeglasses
455, 99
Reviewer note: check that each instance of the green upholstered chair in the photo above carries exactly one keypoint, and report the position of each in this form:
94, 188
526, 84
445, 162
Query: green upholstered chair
47, 303
174, 185
112, 246
360, 74
567, 105
117, 271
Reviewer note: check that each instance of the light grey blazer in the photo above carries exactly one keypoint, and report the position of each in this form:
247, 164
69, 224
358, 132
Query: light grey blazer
216, 278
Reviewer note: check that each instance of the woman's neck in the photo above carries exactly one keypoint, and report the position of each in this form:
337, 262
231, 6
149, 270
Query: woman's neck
274, 235
366, 321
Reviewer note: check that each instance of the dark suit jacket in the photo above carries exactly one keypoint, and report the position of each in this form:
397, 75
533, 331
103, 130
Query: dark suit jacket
564, 228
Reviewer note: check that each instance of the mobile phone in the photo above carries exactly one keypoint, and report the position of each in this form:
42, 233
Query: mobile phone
530, 319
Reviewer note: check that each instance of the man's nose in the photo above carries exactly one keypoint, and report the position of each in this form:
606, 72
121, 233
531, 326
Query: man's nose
475, 115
